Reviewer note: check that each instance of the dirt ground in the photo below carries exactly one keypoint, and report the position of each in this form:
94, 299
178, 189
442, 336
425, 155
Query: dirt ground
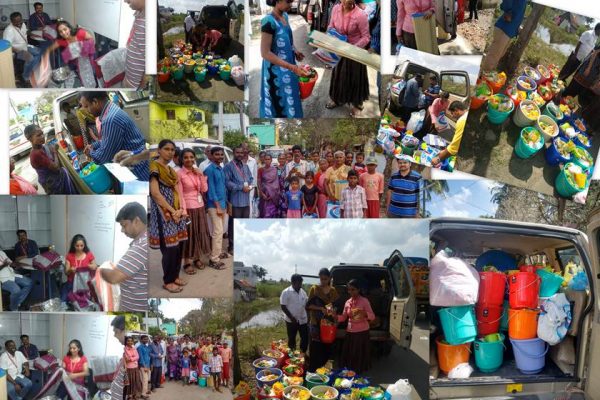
176, 390
476, 32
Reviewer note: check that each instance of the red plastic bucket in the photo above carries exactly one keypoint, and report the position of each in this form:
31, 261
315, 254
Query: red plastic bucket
492, 286
528, 268
327, 333
523, 290
488, 318
306, 88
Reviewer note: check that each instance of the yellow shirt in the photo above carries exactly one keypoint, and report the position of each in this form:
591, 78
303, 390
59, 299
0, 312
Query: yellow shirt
337, 180
454, 146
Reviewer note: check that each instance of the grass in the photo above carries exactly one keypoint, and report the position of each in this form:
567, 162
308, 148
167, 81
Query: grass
538, 52
557, 34
175, 20
271, 289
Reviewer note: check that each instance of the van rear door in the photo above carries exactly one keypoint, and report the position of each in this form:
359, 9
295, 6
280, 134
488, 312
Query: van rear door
403, 308
457, 84
591, 361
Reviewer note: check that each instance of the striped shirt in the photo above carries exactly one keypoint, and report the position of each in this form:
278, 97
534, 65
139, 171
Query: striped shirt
134, 290
354, 201
119, 132
135, 61
118, 383
216, 364
405, 194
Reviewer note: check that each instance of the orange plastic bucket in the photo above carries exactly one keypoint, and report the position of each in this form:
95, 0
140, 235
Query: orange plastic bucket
522, 324
476, 102
306, 88
450, 356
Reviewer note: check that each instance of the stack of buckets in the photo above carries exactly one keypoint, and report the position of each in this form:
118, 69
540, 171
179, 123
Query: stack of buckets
460, 329
523, 295
489, 347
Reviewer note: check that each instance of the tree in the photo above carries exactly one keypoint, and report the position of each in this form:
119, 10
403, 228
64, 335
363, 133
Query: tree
259, 271
232, 139
437, 187
154, 331
168, 320
510, 62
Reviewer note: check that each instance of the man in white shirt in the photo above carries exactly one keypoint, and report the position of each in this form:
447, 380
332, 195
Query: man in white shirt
17, 371
293, 301
253, 167
585, 45
208, 159
16, 34
18, 285
297, 167
189, 23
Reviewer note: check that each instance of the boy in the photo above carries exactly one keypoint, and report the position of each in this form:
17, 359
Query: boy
372, 182
354, 199
204, 39
226, 356
216, 366
359, 165
313, 164
433, 92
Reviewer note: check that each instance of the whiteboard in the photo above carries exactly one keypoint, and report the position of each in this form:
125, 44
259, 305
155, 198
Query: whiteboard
99, 16
94, 332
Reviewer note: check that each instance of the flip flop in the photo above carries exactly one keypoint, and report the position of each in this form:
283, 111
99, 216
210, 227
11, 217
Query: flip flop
178, 290
224, 256
201, 266
179, 282
331, 105
189, 269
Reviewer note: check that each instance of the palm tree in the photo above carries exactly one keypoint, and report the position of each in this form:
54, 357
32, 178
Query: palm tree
432, 187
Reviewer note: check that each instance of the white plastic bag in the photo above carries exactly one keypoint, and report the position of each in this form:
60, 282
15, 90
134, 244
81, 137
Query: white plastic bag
235, 61
461, 371
555, 318
452, 282
415, 123
400, 390
112, 65
237, 74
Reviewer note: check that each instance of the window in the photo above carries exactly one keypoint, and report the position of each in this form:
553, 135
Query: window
171, 114
567, 255
455, 84
25, 212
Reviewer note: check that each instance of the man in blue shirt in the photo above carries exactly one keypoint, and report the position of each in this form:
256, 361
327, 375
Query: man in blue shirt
144, 362
29, 350
156, 359
412, 93
402, 198
238, 179
433, 92
216, 205
25, 248
39, 19
506, 28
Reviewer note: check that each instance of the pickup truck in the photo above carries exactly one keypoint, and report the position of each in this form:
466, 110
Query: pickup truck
468, 238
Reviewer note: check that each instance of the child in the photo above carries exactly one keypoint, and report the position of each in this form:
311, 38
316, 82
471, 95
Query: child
207, 39
320, 182
193, 361
359, 165
216, 366
372, 182
354, 199
313, 164
309, 194
433, 92
185, 366
294, 198
226, 356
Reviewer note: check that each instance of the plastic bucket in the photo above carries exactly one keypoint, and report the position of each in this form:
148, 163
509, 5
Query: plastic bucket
306, 88
212, 69
523, 149
488, 318
202, 381
527, 268
483, 88
550, 114
553, 156
530, 355
257, 368
477, 102
276, 354
327, 333
200, 75
178, 74
317, 392
504, 319
522, 324
450, 356
189, 68
163, 77
580, 143
498, 117
524, 78
314, 380
99, 180
225, 74
489, 355
577, 161
459, 324
550, 283
563, 186
492, 286
523, 290
275, 371
548, 120
519, 117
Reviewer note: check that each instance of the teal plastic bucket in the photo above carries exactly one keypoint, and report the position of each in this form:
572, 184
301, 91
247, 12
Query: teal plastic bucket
504, 319
202, 381
550, 283
577, 161
100, 180
563, 186
498, 117
459, 324
523, 149
200, 76
489, 355
178, 73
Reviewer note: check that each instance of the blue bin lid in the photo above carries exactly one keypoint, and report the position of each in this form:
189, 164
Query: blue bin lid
2, 372
4, 45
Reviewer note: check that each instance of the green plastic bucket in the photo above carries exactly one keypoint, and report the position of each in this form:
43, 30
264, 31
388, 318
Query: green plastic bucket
577, 161
523, 149
200, 75
504, 319
550, 283
459, 324
202, 381
550, 114
225, 75
314, 380
563, 186
489, 355
178, 73
495, 116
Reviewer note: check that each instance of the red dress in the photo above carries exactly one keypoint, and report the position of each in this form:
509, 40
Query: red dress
75, 367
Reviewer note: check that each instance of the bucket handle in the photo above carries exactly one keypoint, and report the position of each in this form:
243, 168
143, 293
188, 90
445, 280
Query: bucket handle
537, 279
535, 356
458, 319
511, 316
493, 322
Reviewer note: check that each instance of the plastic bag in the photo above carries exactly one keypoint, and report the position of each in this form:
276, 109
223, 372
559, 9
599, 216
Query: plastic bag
40, 76
333, 209
579, 282
555, 319
327, 57
47, 261
112, 66
452, 282
400, 390
238, 76
235, 61
461, 371
415, 123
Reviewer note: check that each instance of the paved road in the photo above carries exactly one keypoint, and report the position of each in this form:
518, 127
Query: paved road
206, 283
176, 390
314, 106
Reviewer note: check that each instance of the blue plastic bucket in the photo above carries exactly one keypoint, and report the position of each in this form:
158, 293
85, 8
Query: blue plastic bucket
550, 283
553, 156
489, 355
579, 143
257, 368
459, 324
275, 371
498, 117
522, 149
99, 180
504, 319
530, 354
202, 381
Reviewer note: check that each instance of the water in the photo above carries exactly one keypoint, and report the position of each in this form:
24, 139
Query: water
174, 31
265, 318
543, 33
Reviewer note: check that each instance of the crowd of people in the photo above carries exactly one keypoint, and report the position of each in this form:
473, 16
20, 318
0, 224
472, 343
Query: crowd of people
46, 37
75, 272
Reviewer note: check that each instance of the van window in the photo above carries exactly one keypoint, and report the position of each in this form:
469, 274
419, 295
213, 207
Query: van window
567, 255
131, 96
455, 84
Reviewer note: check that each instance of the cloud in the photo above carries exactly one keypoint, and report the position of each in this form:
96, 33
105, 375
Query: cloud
281, 245
181, 6
178, 308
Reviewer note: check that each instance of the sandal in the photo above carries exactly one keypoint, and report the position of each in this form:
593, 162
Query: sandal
224, 256
189, 269
331, 105
198, 264
217, 265
173, 289
179, 282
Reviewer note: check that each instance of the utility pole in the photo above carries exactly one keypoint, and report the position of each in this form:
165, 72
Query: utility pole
220, 128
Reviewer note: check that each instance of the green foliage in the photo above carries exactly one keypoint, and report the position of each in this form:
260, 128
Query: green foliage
154, 331
259, 271
214, 317
557, 34
271, 289
233, 139
176, 129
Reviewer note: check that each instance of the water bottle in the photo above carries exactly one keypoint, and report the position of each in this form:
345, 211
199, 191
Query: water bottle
75, 161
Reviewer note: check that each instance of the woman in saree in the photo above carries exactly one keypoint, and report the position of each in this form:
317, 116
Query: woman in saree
280, 93
269, 189
349, 79
167, 227
44, 159
586, 86
336, 177
320, 181
283, 184
172, 360
78, 49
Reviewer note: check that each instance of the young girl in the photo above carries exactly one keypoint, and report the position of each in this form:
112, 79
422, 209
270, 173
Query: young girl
309, 195
131, 356
294, 199
185, 366
320, 181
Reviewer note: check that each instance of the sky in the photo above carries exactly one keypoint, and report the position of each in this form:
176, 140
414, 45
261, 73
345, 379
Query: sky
181, 6
465, 199
279, 245
178, 308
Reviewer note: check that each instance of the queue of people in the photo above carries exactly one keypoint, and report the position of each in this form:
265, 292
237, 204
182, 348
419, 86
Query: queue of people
54, 38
